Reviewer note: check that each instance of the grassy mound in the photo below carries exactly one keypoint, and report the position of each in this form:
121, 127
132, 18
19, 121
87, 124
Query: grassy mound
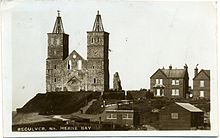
95, 108
58, 102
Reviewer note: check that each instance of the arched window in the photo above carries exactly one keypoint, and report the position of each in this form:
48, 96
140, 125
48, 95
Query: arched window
79, 64
69, 64
94, 80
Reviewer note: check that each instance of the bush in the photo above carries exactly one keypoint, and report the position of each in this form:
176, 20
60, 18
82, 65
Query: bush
114, 95
149, 95
95, 108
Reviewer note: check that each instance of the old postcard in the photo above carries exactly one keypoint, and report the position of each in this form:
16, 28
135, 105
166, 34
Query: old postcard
109, 68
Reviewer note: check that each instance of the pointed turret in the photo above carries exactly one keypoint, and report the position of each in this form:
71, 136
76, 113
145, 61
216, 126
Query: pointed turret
98, 27
58, 50
58, 27
97, 56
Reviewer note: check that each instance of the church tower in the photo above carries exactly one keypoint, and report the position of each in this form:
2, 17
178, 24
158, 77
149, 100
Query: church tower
58, 50
97, 56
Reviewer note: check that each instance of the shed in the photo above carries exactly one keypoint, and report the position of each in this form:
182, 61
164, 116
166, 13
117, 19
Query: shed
121, 117
181, 116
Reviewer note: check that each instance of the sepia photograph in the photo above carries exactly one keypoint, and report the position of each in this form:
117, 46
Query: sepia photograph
109, 68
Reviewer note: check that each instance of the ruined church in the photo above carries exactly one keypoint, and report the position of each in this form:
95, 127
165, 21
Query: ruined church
71, 72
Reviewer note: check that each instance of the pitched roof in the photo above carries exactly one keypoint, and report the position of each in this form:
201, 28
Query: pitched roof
189, 107
58, 26
76, 54
159, 70
98, 27
174, 73
207, 73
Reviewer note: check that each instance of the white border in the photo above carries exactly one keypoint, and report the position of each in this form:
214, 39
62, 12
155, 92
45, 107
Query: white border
6, 99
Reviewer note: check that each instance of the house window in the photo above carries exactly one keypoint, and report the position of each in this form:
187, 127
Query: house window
202, 83
158, 92
127, 116
111, 116
93, 67
79, 64
55, 67
201, 94
175, 92
162, 93
175, 82
55, 79
159, 81
174, 116
69, 64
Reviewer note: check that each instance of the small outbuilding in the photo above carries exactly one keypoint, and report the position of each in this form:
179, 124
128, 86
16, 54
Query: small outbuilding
181, 116
121, 117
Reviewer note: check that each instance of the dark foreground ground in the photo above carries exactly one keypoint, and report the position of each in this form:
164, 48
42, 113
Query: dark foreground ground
86, 112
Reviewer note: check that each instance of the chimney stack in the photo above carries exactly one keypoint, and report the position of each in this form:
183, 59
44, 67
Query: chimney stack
196, 70
170, 67
186, 67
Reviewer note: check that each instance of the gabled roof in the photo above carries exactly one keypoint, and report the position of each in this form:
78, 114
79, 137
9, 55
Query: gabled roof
73, 78
159, 70
76, 54
189, 107
206, 72
174, 73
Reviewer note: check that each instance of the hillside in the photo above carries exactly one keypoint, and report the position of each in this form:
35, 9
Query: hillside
58, 102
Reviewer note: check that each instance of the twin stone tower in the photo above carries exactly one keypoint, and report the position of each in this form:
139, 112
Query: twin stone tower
71, 72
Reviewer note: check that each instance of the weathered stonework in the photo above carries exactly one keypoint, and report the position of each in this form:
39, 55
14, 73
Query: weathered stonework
116, 82
72, 72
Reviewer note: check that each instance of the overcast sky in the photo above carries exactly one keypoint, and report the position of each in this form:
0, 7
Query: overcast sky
144, 36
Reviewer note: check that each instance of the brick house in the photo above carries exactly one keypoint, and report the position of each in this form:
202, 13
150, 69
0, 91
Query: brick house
181, 116
201, 84
170, 83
